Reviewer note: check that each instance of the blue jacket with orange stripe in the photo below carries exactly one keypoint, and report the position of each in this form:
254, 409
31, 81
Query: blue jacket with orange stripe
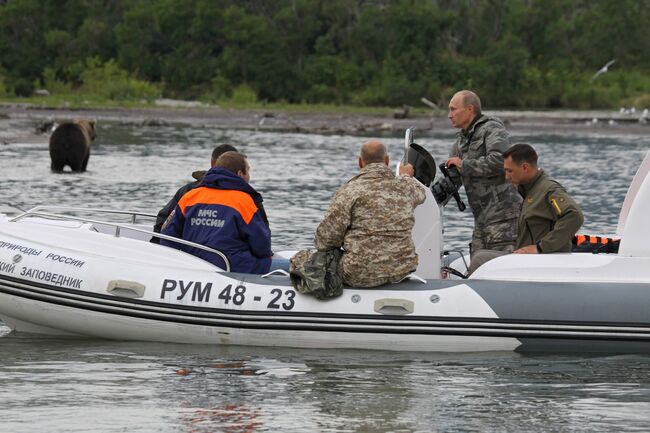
221, 214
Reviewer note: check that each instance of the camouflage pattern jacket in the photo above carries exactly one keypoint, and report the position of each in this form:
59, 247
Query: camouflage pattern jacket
371, 217
549, 216
491, 198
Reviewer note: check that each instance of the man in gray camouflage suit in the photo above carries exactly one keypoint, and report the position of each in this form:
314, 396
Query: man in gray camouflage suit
371, 218
478, 155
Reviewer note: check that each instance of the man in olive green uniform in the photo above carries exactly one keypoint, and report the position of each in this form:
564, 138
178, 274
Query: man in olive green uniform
371, 217
549, 216
477, 154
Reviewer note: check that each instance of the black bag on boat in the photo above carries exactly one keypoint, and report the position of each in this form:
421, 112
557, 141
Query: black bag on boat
317, 273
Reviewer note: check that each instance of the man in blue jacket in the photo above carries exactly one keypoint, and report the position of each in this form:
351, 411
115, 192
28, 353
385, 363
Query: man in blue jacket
197, 175
222, 214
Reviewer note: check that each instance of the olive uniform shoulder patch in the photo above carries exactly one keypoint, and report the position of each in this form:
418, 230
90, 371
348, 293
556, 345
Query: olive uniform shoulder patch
556, 206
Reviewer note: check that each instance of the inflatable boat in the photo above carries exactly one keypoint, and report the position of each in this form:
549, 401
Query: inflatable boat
66, 274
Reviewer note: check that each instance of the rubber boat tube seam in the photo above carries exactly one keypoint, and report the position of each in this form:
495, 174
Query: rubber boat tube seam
426, 325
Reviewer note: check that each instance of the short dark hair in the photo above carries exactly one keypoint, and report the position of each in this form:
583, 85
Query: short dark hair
471, 98
221, 149
232, 161
521, 153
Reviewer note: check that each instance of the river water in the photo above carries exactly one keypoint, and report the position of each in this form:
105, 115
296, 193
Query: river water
67, 385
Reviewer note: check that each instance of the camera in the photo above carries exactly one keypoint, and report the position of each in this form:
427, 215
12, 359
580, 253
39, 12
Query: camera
447, 186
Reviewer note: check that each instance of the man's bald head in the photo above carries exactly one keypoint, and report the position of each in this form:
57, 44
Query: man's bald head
373, 151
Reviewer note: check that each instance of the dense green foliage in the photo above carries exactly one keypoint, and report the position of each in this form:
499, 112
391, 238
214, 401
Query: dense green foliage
514, 53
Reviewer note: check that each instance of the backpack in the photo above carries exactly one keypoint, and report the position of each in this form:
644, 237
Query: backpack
316, 272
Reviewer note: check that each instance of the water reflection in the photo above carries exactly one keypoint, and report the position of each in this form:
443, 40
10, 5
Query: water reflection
99, 386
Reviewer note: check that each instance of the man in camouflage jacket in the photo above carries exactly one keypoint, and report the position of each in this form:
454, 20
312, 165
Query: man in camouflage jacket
477, 154
371, 217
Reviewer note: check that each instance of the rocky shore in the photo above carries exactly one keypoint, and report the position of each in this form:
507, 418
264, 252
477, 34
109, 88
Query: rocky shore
21, 123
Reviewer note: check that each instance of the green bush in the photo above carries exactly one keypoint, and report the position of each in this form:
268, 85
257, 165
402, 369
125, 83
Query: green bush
640, 101
109, 81
320, 93
53, 84
4, 92
392, 87
243, 94
221, 89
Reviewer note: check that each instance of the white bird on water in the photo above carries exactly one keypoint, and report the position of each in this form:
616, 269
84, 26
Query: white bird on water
603, 69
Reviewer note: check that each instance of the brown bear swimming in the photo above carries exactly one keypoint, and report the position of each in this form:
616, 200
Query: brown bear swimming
70, 145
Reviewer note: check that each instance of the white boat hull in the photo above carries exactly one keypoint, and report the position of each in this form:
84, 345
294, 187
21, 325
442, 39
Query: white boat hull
438, 316
64, 277
119, 327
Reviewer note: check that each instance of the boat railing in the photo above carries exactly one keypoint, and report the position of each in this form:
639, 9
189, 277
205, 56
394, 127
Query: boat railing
131, 213
35, 212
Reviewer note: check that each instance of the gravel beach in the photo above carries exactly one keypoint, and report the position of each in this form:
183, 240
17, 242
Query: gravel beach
20, 123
